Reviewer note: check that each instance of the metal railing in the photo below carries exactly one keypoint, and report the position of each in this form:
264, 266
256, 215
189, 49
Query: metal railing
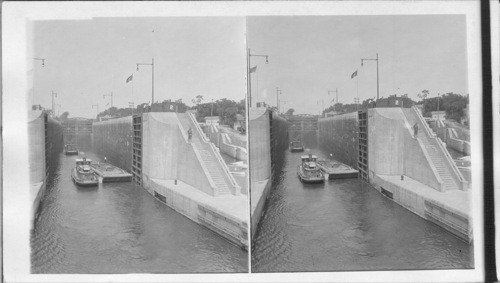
442, 148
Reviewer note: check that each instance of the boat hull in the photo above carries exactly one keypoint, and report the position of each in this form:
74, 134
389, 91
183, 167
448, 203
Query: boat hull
71, 153
297, 149
83, 183
309, 179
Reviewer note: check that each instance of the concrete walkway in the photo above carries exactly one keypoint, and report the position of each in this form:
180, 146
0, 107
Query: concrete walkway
233, 206
454, 199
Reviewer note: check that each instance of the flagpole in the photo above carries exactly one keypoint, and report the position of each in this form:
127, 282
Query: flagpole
133, 101
357, 86
249, 80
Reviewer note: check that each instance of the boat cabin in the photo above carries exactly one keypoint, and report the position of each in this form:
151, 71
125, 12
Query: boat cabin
84, 164
309, 162
70, 147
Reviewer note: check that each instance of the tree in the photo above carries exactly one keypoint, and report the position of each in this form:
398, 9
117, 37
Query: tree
197, 100
64, 116
423, 94
290, 111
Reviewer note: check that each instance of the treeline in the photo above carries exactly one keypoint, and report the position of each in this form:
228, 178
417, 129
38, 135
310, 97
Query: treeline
226, 109
453, 104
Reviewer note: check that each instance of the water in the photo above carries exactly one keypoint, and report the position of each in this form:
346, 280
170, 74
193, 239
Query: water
346, 225
120, 228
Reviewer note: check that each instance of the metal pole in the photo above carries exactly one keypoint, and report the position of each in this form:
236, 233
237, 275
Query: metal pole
152, 81
53, 106
212, 112
377, 77
249, 88
277, 100
111, 99
336, 95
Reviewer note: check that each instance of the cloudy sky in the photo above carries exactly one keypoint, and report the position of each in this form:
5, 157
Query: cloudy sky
309, 55
86, 59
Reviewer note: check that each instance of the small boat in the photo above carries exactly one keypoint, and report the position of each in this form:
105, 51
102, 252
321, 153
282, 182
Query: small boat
83, 175
70, 149
308, 171
296, 146
337, 170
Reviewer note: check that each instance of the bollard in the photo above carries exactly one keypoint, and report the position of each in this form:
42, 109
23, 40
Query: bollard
175, 182
402, 177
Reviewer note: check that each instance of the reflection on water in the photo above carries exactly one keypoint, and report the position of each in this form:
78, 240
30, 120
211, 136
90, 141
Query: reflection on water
120, 228
346, 225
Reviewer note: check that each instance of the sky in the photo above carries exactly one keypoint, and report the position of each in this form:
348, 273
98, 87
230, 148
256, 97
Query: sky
310, 55
86, 59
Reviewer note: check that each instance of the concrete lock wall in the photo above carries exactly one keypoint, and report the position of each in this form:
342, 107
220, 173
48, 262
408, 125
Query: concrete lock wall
339, 135
279, 134
260, 149
393, 151
167, 154
113, 139
36, 140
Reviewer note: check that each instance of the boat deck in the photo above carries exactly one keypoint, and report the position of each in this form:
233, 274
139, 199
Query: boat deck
110, 173
337, 170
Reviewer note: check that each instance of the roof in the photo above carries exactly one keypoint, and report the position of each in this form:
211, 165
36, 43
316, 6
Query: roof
81, 159
307, 156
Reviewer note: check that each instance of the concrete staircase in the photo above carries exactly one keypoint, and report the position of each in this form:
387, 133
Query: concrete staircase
437, 160
439, 156
221, 179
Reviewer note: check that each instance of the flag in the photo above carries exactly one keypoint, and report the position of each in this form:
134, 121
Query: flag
253, 70
129, 78
354, 74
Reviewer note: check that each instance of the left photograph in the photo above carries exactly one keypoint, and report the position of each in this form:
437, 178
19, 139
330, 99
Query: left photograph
138, 145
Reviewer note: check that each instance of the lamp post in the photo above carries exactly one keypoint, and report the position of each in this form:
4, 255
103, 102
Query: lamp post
53, 105
278, 91
212, 110
376, 59
336, 94
97, 105
284, 102
438, 102
43, 65
131, 105
111, 95
152, 78
249, 88
322, 105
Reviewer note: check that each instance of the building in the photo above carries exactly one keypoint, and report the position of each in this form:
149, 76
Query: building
438, 115
212, 120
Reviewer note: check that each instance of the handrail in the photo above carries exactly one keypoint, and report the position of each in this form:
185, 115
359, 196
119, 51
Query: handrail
224, 166
431, 164
452, 164
197, 126
229, 176
197, 153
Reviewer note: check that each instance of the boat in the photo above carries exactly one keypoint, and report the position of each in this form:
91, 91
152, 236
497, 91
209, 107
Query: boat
337, 170
70, 149
308, 171
110, 173
296, 146
83, 175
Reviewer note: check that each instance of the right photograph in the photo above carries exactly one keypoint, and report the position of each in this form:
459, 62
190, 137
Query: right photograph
359, 143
